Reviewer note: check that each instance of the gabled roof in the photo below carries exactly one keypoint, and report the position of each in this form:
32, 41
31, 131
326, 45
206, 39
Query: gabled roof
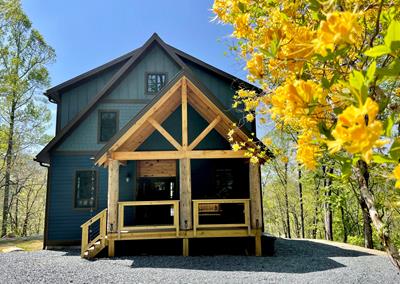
128, 61
53, 93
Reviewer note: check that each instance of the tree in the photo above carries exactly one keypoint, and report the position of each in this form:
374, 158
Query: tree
330, 72
24, 116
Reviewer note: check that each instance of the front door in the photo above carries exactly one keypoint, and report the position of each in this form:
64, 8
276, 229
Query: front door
156, 181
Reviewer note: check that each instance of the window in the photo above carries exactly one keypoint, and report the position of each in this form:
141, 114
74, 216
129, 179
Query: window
155, 81
108, 125
85, 195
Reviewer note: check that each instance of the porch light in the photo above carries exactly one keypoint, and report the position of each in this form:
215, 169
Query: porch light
128, 177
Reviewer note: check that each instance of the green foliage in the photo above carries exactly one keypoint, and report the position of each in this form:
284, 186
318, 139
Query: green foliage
24, 115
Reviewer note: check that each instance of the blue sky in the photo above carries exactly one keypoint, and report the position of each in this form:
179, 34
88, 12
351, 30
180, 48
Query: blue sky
88, 33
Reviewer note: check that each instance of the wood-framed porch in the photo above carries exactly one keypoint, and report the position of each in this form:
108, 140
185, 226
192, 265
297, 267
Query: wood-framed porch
185, 210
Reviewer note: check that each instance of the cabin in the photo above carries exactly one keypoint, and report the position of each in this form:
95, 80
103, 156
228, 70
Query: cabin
141, 153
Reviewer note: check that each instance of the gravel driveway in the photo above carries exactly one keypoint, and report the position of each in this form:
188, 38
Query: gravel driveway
296, 261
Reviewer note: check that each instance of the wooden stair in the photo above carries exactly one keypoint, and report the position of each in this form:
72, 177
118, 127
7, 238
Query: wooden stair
95, 249
90, 248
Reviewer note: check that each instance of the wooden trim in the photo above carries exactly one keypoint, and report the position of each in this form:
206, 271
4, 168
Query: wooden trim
113, 192
171, 155
185, 194
255, 196
164, 133
184, 114
121, 216
204, 133
246, 205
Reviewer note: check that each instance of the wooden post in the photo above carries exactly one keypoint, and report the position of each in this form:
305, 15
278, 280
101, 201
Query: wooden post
185, 247
84, 241
184, 169
185, 194
184, 116
113, 190
111, 248
255, 196
256, 206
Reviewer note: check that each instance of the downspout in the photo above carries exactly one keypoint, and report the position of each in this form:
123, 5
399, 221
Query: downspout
46, 214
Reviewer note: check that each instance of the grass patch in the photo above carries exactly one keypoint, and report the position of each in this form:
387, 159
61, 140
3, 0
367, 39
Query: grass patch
28, 244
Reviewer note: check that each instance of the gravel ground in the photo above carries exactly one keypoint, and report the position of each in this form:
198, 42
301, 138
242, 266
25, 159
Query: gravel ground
296, 261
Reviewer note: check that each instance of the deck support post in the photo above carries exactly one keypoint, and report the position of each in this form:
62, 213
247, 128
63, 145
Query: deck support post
256, 205
185, 247
113, 191
258, 247
111, 248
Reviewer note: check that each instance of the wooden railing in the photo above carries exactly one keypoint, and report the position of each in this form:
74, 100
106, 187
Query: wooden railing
86, 243
206, 206
121, 217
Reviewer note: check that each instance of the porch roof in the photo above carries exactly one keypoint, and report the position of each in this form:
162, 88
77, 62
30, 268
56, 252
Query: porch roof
151, 117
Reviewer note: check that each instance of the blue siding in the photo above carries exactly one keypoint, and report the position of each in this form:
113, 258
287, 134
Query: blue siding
64, 221
133, 85
84, 137
75, 99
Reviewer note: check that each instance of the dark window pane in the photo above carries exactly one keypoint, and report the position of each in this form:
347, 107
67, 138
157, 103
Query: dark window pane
155, 82
108, 125
85, 189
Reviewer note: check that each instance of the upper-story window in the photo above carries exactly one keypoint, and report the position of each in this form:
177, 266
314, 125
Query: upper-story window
108, 125
85, 194
155, 81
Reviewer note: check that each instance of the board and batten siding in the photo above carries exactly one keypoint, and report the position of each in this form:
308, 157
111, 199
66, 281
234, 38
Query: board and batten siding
132, 86
130, 92
75, 99
64, 220
85, 136
157, 142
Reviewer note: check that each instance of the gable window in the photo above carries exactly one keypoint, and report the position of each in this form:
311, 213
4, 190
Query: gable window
108, 125
155, 82
85, 195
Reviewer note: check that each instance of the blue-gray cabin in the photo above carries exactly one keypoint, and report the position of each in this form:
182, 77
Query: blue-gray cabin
141, 151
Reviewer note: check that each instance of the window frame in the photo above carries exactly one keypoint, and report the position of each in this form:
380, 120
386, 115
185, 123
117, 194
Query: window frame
100, 111
146, 75
96, 199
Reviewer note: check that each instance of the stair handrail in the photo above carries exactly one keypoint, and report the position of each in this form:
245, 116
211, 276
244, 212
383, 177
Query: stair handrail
85, 244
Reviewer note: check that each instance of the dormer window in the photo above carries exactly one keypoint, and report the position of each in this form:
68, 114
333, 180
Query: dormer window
155, 82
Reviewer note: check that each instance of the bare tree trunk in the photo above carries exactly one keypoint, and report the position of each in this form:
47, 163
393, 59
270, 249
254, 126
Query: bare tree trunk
344, 223
327, 205
380, 227
315, 218
7, 179
368, 243
296, 223
301, 204
287, 202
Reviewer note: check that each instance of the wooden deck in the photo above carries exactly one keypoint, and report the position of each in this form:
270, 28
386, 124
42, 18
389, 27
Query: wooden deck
90, 247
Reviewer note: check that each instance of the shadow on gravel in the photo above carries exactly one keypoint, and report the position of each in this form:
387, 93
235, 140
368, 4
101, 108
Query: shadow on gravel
292, 256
